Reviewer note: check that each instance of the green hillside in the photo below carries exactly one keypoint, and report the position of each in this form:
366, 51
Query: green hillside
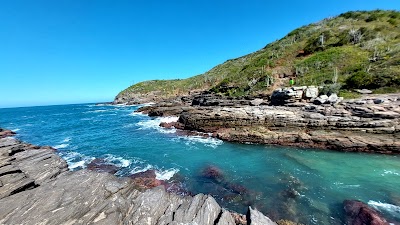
358, 49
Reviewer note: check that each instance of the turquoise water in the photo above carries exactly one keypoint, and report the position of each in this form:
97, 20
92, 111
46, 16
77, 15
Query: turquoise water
308, 186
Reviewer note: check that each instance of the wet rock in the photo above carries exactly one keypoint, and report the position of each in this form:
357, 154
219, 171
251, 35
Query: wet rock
171, 125
359, 213
6, 133
146, 179
102, 166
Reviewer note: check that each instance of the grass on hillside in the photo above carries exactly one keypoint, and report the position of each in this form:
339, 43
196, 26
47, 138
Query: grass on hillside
358, 49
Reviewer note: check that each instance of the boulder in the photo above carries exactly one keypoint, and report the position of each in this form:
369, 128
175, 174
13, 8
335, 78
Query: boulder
333, 99
321, 99
379, 101
311, 92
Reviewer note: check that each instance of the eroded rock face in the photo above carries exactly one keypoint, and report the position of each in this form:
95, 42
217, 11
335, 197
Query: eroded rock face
347, 126
37, 188
359, 213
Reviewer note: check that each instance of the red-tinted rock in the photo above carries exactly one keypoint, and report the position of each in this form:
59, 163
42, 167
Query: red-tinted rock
359, 213
147, 179
100, 165
6, 133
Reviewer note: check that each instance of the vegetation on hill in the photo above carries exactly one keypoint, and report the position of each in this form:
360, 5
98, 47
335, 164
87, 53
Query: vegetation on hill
359, 49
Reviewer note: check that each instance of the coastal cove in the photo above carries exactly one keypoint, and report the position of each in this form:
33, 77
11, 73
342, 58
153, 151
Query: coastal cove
302, 185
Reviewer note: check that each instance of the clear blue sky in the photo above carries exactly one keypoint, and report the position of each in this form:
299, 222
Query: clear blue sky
73, 51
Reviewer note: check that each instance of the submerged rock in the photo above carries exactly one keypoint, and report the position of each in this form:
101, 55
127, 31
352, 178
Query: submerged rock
213, 173
359, 213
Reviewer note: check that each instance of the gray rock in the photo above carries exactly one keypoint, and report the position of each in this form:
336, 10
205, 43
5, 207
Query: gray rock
226, 218
37, 189
254, 217
321, 99
256, 102
363, 91
379, 101
333, 98
311, 92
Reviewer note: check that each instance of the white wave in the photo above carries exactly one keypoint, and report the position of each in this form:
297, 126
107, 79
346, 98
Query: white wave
389, 172
118, 161
166, 174
68, 139
147, 104
16, 130
207, 141
76, 160
60, 146
139, 169
394, 210
136, 114
155, 124
78, 164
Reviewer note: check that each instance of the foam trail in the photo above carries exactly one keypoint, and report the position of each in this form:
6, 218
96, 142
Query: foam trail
155, 124
166, 174
394, 210
118, 161
16, 130
61, 146
209, 141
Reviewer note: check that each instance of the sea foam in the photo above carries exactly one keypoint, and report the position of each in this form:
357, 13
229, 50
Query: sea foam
118, 161
166, 174
394, 210
155, 124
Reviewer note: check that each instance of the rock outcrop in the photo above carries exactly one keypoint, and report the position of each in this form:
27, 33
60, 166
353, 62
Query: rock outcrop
37, 188
369, 124
359, 213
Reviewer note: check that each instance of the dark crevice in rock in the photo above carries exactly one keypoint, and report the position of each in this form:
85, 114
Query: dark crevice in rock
10, 172
218, 217
26, 187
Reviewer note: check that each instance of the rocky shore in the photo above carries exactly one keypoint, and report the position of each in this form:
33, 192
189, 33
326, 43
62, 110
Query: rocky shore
368, 124
36, 187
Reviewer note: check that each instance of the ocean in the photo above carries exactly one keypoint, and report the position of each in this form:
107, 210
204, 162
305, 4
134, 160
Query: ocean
301, 185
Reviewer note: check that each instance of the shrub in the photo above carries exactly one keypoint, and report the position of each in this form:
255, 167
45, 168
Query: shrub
359, 79
330, 89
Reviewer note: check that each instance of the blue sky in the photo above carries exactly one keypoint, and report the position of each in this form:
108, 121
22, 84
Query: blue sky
74, 51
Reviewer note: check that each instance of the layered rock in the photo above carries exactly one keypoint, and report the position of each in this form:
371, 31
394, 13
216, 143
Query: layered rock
346, 127
37, 188
369, 124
